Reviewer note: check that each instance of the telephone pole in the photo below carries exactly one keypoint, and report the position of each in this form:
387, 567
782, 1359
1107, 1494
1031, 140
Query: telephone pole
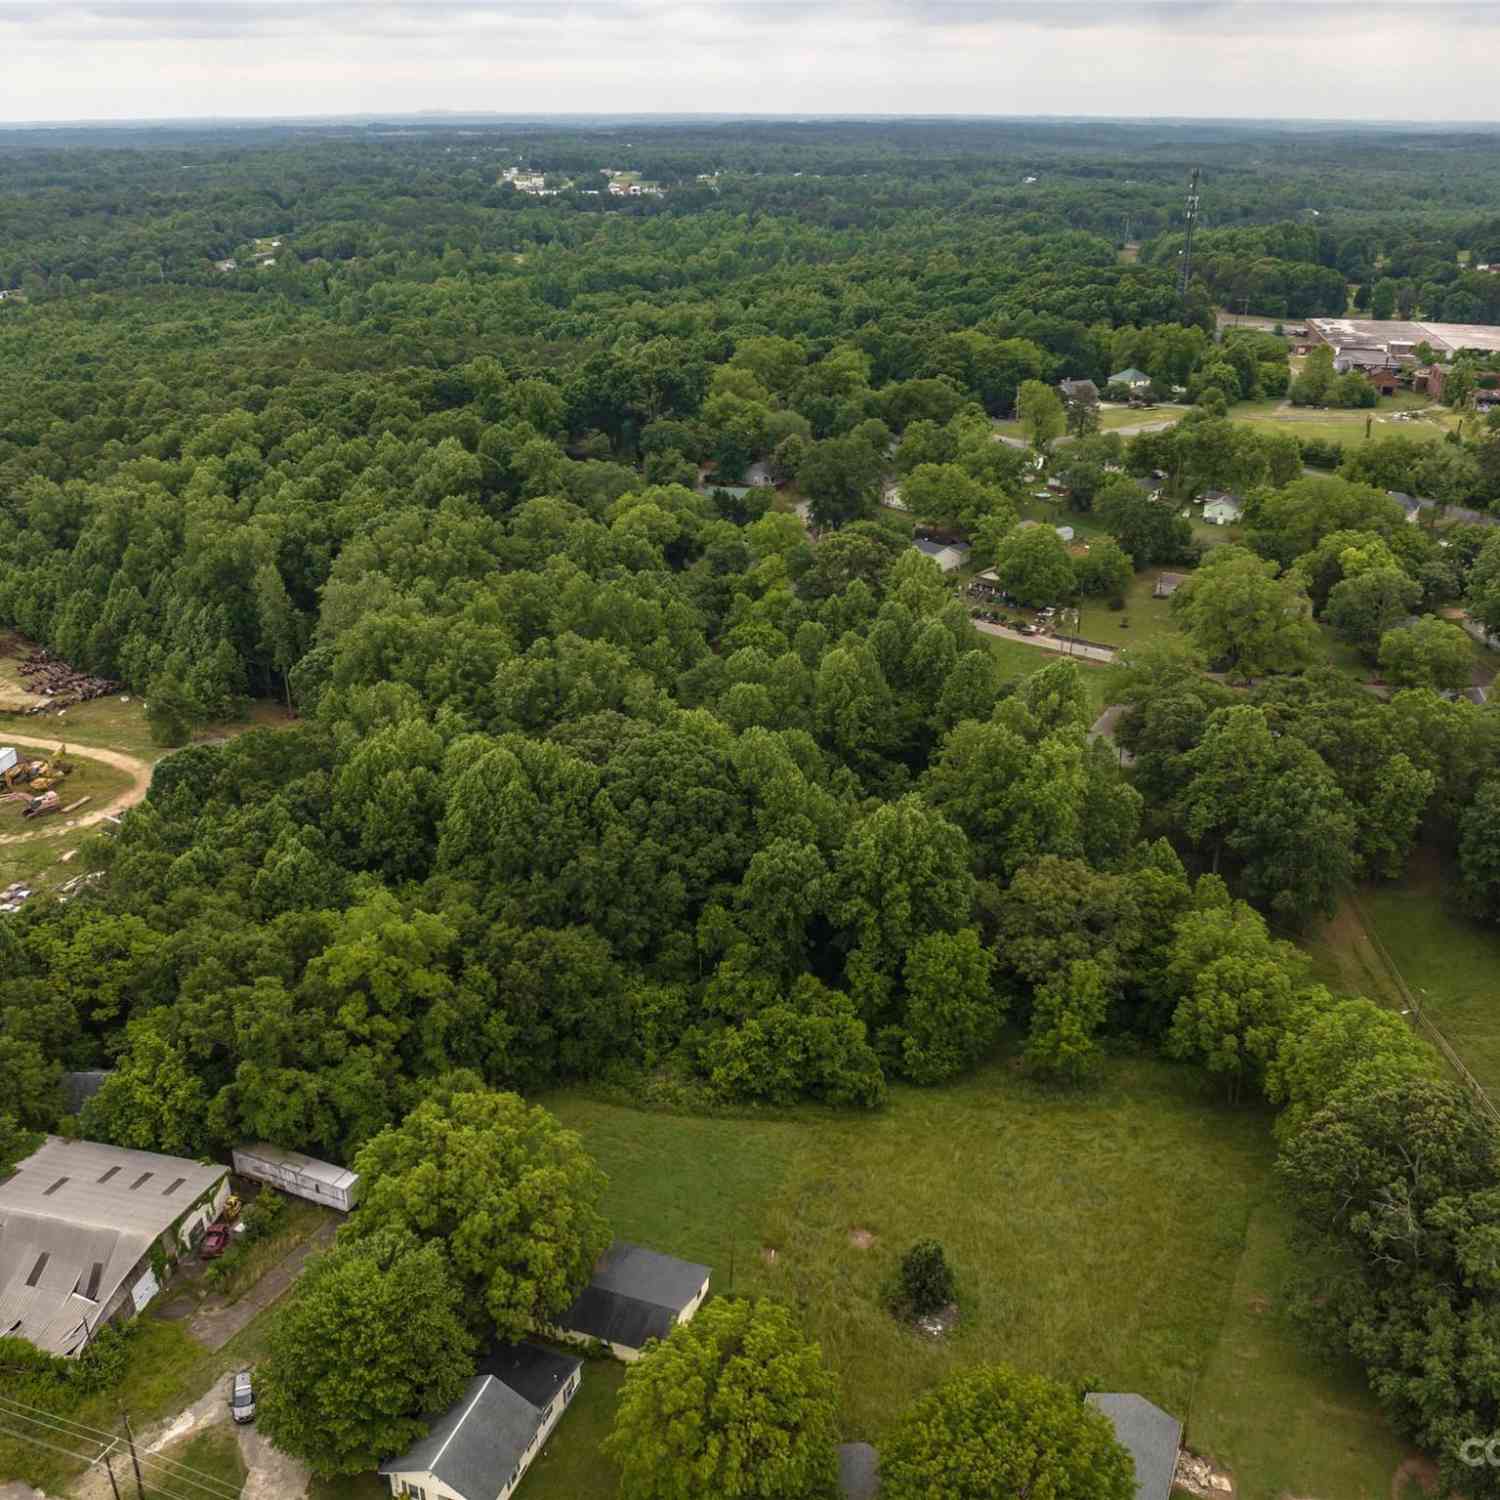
135, 1462
109, 1469
1187, 243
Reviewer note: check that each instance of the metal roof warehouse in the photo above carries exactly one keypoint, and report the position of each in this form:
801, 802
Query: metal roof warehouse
78, 1222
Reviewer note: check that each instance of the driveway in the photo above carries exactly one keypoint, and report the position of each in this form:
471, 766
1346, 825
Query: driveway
1080, 649
213, 1326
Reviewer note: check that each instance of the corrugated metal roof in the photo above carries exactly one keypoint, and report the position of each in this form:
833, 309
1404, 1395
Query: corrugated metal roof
76, 1217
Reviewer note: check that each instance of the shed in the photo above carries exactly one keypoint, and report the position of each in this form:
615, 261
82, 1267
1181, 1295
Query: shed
1167, 584
302, 1176
1152, 1437
482, 1446
859, 1471
636, 1295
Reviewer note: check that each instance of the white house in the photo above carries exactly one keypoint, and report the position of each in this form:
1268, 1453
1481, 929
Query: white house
636, 1295
946, 557
482, 1446
79, 1222
1222, 509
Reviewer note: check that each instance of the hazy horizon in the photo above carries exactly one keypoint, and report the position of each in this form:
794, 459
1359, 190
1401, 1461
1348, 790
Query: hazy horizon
158, 61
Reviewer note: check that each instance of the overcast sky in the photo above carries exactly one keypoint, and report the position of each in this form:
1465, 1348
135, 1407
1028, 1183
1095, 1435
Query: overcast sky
1363, 59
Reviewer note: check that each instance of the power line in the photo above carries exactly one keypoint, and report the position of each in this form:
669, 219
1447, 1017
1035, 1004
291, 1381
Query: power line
83, 1458
82, 1430
1187, 244
177, 1472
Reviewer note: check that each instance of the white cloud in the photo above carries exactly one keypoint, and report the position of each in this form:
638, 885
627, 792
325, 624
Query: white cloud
69, 59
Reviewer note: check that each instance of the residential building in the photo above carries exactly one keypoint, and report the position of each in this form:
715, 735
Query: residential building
636, 1295
947, 556
227, 265
80, 1226
1078, 390
1220, 508
1152, 1437
482, 1446
1134, 378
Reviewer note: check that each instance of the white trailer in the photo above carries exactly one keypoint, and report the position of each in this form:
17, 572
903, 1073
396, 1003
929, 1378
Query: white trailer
302, 1176
7, 758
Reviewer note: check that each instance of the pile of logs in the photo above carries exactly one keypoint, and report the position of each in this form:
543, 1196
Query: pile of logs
47, 676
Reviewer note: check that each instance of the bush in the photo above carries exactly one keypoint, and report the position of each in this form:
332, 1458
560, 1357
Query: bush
924, 1283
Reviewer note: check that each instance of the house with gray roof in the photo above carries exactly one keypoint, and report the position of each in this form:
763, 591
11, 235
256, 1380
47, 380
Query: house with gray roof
947, 555
481, 1447
1132, 377
859, 1471
636, 1295
1152, 1437
79, 1222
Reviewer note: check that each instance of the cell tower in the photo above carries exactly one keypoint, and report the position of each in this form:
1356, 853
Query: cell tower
1187, 243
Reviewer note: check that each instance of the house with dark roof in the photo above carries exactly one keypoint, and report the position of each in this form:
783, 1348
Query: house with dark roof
636, 1295
1152, 1437
481, 1447
1078, 390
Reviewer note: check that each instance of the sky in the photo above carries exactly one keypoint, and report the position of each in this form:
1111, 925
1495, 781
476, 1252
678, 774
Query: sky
1329, 59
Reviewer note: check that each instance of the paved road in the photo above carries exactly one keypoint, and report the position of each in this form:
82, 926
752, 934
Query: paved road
1049, 643
1104, 729
138, 770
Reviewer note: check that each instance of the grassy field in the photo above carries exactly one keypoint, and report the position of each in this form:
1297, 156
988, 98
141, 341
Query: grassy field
1111, 419
1144, 618
1450, 963
1016, 660
1259, 1366
214, 1452
33, 850
1346, 427
1121, 1237
166, 1370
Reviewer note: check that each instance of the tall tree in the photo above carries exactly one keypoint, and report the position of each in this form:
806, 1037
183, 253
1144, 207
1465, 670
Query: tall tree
370, 1343
735, 1403
510, 1197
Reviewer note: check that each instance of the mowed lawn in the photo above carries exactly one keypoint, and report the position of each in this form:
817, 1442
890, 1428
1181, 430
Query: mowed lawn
1450, 963
1098, 1237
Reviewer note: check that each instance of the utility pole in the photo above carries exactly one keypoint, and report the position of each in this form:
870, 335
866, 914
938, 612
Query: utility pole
135, 1462
109, 1469
1187, 243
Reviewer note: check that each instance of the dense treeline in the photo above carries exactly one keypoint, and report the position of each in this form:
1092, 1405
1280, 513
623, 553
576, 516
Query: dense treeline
610, 767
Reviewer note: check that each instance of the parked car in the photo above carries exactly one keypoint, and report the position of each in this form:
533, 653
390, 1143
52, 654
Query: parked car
214, 1242
241, 1397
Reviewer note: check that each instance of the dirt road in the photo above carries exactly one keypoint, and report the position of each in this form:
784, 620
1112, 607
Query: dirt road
137, 770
